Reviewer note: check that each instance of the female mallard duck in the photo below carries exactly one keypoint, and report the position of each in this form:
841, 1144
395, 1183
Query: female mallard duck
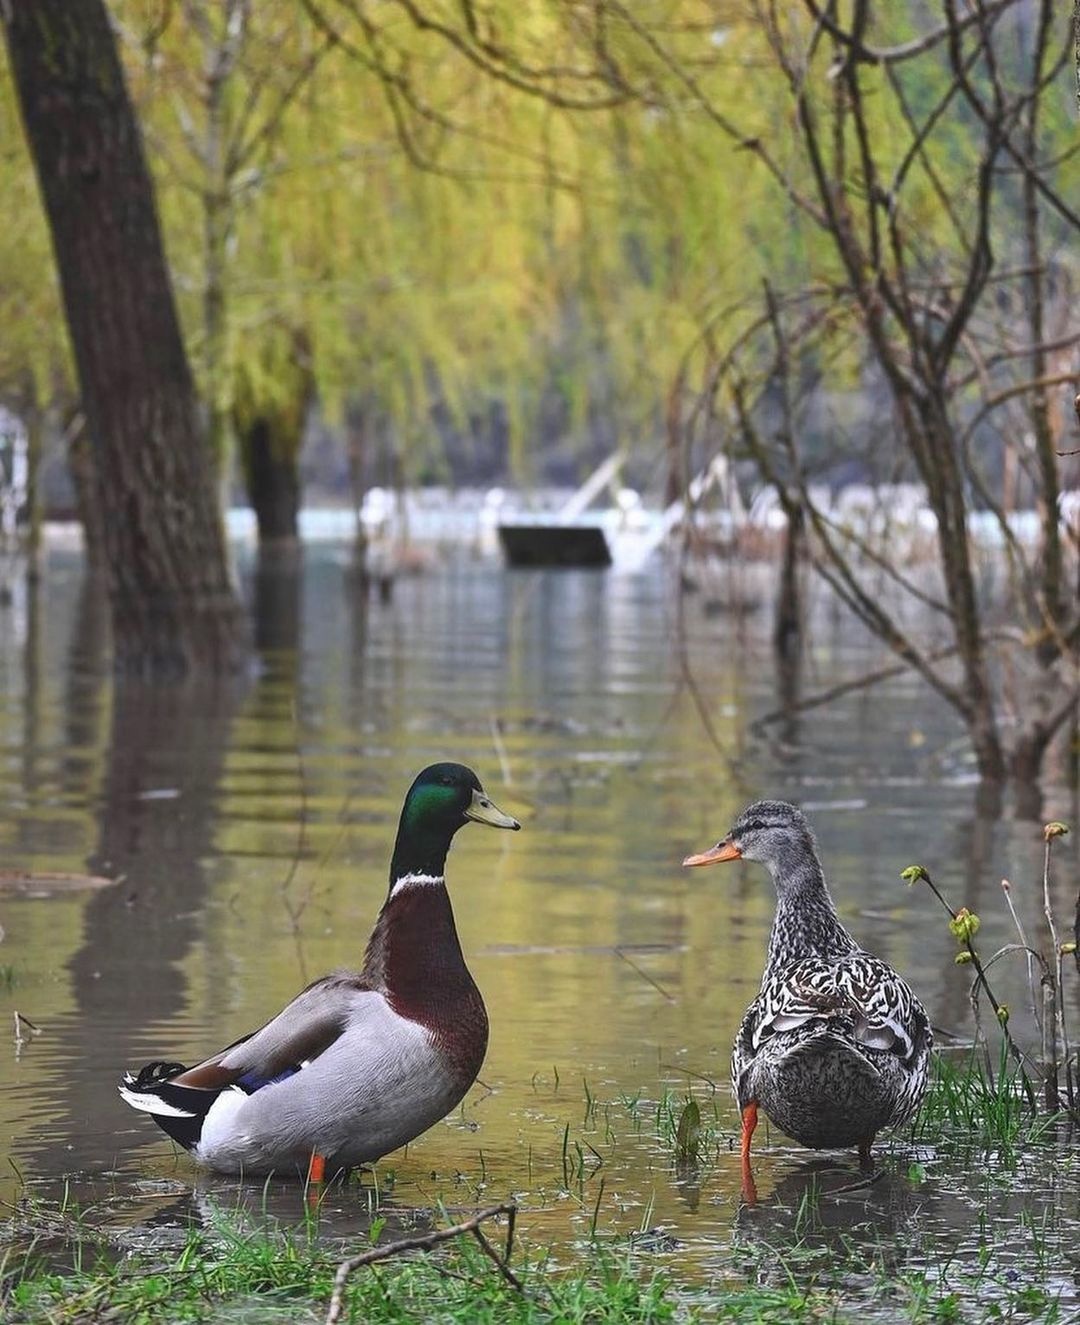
360, 1062
835, 1046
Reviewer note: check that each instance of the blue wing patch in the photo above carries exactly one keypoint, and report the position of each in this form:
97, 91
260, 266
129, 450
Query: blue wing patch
253, 1081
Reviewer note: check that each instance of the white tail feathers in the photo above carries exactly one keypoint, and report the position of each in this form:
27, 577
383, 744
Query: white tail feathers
151, 1103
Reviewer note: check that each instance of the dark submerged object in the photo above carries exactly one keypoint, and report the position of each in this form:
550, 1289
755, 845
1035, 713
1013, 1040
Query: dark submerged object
554, 545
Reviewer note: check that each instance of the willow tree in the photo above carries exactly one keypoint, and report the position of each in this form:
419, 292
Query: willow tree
295, 220
583, 180
918, 228
213, 84
450, 256
173, 609
34, 358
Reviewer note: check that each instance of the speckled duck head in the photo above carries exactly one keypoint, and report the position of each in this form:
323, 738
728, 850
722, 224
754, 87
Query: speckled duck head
442, 799
774, 833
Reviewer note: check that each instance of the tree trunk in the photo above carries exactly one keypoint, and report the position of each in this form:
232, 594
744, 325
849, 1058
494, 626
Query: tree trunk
32, 515
989, 756
270, 422
173, 608
1025, 768
787, 629
273, 481
357, 448
81, 468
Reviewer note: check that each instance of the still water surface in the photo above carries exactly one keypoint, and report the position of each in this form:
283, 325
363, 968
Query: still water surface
250, 836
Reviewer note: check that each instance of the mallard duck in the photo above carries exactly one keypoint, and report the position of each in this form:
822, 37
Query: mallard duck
360, 1062
835, 1046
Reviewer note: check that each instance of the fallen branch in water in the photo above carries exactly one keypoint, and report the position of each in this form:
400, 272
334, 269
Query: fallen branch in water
425, 1242
868, 679
20, 1022
863, 682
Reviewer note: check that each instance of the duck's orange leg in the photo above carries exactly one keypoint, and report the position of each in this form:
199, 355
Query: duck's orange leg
316, 1167
749, 1122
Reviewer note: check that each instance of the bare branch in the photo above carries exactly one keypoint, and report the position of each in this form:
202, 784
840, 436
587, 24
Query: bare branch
992, 402
425, 1242
831, 693
860, 51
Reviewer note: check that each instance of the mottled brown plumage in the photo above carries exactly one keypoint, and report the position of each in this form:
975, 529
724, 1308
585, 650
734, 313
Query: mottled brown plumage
835, 1046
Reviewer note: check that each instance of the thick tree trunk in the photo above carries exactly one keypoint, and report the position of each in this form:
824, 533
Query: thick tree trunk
1025, 768
270, 427
273, 481
81, 468
173, 608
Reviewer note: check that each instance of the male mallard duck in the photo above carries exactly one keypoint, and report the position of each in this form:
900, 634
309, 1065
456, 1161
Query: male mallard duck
360, 1062
835, 1046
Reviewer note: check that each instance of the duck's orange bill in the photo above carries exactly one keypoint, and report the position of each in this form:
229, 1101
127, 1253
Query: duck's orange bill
714, 855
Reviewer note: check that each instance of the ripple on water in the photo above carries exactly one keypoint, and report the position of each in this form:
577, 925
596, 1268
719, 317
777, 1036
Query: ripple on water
252, 840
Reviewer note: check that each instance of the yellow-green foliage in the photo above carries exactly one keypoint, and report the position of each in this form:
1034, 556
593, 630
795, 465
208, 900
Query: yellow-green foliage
34, 353
582, 211
274, 388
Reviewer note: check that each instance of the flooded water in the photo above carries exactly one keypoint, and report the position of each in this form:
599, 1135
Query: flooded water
248, 836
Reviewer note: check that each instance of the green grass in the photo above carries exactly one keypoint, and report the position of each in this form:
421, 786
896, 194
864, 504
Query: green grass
969, 1107
783, 1262
229, 1274
839, 1278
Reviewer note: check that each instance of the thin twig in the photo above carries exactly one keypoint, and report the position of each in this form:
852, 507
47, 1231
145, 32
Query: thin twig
864, 682
981, 980
1051, 990
1051, 831
644, 975
425, 1242
500, 750
1006, 888
500, 1261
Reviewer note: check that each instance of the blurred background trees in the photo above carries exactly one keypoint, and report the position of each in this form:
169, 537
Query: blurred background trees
833, 241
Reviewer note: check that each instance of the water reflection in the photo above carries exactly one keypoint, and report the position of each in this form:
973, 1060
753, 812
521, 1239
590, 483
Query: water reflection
276, 600
158, 814
250, 832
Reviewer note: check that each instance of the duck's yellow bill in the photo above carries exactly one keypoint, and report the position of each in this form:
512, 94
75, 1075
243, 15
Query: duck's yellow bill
483, 810
714, 855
